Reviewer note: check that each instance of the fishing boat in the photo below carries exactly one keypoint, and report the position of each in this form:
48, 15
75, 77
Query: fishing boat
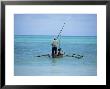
62, 54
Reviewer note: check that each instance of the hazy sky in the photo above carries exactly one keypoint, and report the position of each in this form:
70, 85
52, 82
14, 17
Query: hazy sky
51, 24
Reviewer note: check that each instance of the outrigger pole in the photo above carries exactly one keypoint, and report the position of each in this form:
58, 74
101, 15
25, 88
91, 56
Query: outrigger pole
59, 35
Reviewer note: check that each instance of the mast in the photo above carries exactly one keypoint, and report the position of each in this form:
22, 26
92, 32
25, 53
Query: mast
59, 35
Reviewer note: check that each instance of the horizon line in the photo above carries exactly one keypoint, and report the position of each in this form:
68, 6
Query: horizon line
52, 35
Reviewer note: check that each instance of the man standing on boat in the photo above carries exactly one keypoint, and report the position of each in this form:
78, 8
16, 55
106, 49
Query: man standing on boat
54, 47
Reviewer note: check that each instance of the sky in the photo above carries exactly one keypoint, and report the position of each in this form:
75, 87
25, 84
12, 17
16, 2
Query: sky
51, 24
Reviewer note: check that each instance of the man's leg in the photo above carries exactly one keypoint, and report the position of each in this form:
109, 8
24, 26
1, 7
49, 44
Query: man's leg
55, 50
52, 51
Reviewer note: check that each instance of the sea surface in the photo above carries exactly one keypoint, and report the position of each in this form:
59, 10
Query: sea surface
28, 47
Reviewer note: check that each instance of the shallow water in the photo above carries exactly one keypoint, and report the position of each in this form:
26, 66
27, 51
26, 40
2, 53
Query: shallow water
28, 47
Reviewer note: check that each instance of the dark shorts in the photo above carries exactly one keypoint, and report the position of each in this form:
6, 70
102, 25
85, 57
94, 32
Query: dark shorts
54, 50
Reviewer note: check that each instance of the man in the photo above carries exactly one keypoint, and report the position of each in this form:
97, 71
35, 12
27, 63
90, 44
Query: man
60, 52
54, 47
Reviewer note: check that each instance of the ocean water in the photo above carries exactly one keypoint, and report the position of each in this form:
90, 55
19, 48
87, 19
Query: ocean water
28, 47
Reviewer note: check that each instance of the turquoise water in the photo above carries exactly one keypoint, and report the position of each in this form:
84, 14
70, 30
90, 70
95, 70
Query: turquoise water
27, 47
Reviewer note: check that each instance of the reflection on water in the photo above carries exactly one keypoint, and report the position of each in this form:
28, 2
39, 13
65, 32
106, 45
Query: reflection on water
55, 60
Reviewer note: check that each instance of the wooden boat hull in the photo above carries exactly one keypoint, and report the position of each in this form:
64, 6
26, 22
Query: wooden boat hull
57, 56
